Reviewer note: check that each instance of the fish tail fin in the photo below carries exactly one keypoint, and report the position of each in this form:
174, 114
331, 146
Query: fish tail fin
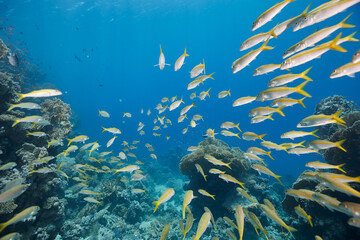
229, 93
301, 143
300, 101
343, 23
278, 179
265, 47
237, 135
69, 141
48, 145
210, 76
104, 129
313, 133
193, 104
185, 54
299, 89
228, 165
207, 92
338, 167
268, 153
270, 117
336, 116
291, 229
309, 219
261, 136
11, 106
278, 110
15, 122
357, 179
156, 203
351, 38
304, 76
2, 226
272, 31
212, 196
28, 133
237, 126
205, 177
339, 143
256, 230
21, 96
334, 46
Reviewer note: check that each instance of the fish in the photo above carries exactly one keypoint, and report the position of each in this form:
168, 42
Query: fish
282, 91
250, 136
112, 130
350, 208
301, 213
92, 200
204, 77
13, 59
320, 165
356, 57
193, 148
197, 70
126, 114
252, 157
148, 112
165, 99
300, 194
161, 60
245, 60
348, 69
243, 100
308, 55
205, 193
194, 84
81, 138
216, 161
104, 114
326, 201
259, 151
29, 119
271, 145
355, 222
263, 111
256, 39
202, 226
299, 151
287, 102
165, 196
165, 230
89, 192
210, 133
252, 221
129, 168
324, 12
200, 170
203, 94
153, 156
319, 144
339, 177
262, 169
224, 94
269, 14
197, 117
296, 134
245, 194
256, 222
38, 94
229, 178
293, 145
240, 217
216, 171
259, 119
137, 191
57, 142
316, 37
137, 177
23, 216
336, 185
42, 170
189, 196
7, 166
36, 134
122, 155
229, 125
230, 134
321, 119
111, 141
11, 236
184, 130
274, 216
193, 123
25, 105
287, 78
186, 109
13, 192
231, 235
175, 104
131, 155
188, 225
192, 96
231, 223
264, 69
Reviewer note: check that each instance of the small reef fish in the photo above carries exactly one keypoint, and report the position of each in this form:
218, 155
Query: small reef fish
13, 192
92, 200
27, 105
137, 177
194, 84
204, 77
103, 154
165, 230
89, 192
350, 208
287, 78
326, 201
153, 156
300, 151
186, 109
192, 96
224, 94
126, 114
229, 134
175, 104
300, 194
264, 69
301, 213
137, 191
245, 194
356, 57
197, 70
240, 217
205, 193
200, 170
243, 100
189, 223
231, 235
319, 144
355, 222
259, 151
81, 138
111, 141
216, 171
23, 216
336, 185
255, 222
229, 125
283, 91
203, 94
252, 157
321, 119
112, 130
250, 136
296, 134
55, 142
8, 166
202, 226
215, 161
339, 177
230, 222
161, 60
293, 145
259, 119
180, 61
320, 165
39, 93
245, 60
263, 111
129, 169
256, 39
210, 133
229, 178
190, 149
269, 14
287, 102
165, 196
86, 146
262, 169
35, 134
165, 99
122, 155
42, 170
104, 114
348, 69
189, 196
30, 119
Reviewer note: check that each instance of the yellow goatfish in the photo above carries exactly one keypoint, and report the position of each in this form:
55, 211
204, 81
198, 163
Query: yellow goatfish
197, 70
224, 93
11, 193
348, 69
188, 225
205, 193
243, 100
295, 134
202, 226
321, 119
23, 216
254, 218
287, 102
283, 91
228, 220
180, 61
301, 213
263, 111
244, 193
229, 178
262, 169
320, 165
288, 78
300, 194
27, 105
200, 170
230, 134
39, 93
264, 69
206, 209
189, 196
216, 161
231, 235
81, 138
228, 125
240, 217
30, 119
129, 169
104, 114
161, 60
250, 136
319, 144
165, 196
259, 151
165, 230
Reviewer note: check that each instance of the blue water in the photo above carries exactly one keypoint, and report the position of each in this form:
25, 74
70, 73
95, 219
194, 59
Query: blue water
118, 45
